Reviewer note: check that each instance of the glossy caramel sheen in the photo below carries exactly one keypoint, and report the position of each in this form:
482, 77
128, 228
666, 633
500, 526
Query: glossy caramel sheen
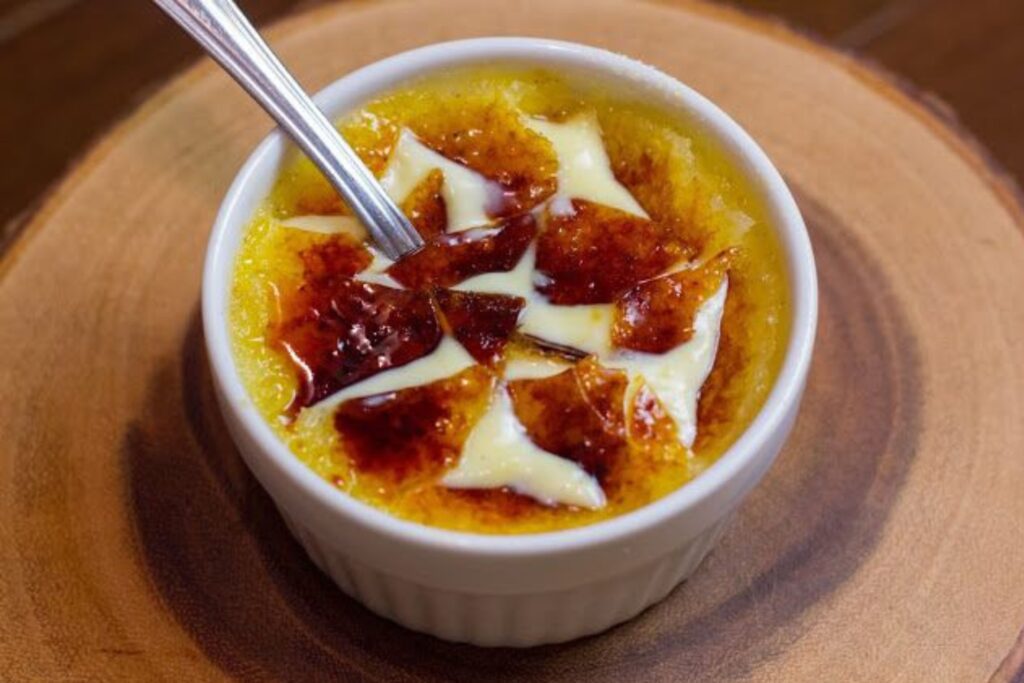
482, 323
410, 436
597, 253
337, 330
577, 414
658, 314
448, 259
305, 327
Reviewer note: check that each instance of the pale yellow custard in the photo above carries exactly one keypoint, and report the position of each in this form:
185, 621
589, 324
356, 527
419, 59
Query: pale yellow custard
600, 312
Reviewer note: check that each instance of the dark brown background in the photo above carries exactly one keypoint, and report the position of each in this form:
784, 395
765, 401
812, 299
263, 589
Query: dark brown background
70, 68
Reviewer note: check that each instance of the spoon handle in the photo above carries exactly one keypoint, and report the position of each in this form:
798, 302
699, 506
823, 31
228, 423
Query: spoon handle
224, 32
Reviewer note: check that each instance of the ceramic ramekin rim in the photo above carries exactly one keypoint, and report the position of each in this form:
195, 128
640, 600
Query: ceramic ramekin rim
237, 208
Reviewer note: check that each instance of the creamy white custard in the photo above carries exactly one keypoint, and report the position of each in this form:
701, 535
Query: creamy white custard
377, 271
677, 376
296, 309
498, 453
619, 416
327, 225
587, 328
467, 194
584, 327
533, 368
584, 171
446, 360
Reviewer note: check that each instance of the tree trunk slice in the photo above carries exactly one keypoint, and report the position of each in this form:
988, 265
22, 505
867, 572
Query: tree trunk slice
886, 543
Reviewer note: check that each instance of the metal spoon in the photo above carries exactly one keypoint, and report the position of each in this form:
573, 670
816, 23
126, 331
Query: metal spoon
221, 28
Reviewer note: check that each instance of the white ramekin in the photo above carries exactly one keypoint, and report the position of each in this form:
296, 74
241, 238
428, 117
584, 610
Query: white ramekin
528, 589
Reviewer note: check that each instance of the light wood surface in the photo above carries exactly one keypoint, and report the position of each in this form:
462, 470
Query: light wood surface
884, 545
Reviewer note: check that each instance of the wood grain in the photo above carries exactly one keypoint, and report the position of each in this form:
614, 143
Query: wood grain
884, 545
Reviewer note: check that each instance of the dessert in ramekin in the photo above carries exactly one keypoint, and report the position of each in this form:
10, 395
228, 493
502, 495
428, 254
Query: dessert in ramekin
581, 470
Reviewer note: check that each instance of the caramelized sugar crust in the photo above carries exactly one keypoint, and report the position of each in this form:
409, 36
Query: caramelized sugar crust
482, 323
336, 258
595, 253
658, 315
649, 423
491, 139
295, 298
415, 433
338, 331
577, 414
448, 259
425, 206
722, 394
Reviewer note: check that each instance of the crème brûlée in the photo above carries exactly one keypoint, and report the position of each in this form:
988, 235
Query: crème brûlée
599, 310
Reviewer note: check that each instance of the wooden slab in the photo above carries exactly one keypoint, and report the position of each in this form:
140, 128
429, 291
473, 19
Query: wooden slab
886, 544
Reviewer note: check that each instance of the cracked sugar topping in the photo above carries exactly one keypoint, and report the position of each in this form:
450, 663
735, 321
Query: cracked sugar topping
597, 314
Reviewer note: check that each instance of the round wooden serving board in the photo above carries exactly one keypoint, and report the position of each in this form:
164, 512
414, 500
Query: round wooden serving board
886, 544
